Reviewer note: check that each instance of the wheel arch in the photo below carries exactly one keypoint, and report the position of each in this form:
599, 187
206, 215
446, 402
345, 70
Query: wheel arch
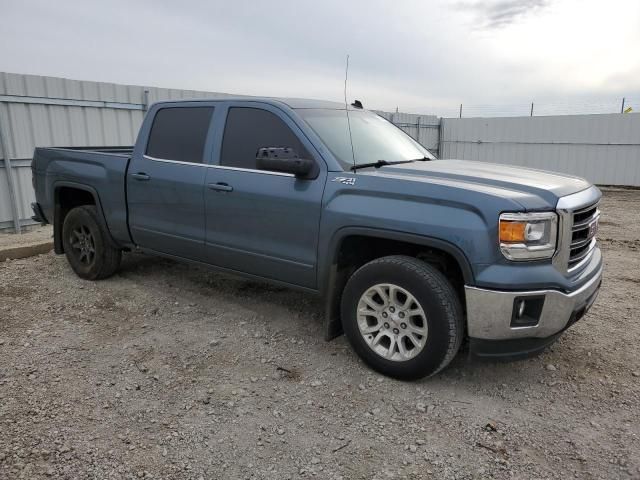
376, 243
68, 195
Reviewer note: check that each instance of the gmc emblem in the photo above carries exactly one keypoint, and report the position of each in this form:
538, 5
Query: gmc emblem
593, 229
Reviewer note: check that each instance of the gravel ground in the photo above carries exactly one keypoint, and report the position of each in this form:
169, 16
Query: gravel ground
171, 371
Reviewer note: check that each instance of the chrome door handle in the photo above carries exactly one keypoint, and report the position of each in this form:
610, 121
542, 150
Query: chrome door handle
220, 187
141, 176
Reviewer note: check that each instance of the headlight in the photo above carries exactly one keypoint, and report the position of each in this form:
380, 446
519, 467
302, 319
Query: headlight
528, 236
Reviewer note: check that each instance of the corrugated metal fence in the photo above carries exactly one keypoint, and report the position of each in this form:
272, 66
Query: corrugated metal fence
604, 148
49, 111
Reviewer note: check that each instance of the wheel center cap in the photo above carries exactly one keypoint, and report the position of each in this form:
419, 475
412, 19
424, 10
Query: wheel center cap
393, 320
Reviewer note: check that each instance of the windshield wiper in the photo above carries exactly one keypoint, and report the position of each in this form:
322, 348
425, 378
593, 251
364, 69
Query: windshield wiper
378, 164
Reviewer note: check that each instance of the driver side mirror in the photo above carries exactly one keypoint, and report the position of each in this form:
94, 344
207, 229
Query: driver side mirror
283, 159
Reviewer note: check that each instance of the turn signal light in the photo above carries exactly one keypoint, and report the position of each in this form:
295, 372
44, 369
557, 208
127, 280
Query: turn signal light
512, 232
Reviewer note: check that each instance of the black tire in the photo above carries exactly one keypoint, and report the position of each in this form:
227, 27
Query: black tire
87, 245
434, 294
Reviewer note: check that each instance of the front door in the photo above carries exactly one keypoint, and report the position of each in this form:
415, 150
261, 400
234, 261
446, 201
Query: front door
261, 222
165, 183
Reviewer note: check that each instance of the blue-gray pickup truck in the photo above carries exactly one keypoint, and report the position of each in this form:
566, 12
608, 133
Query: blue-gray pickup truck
413, 255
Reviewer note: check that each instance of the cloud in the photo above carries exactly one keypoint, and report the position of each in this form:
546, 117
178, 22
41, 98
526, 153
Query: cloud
497, 14
423, 56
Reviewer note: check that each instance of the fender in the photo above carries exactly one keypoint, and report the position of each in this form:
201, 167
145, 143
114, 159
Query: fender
331, 285
57, 224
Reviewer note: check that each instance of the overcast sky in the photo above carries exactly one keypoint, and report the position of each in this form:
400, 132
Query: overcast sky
417, 55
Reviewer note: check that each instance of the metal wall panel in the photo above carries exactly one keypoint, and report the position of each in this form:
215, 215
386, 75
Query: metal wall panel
604, 148
28, 125
21, 173
6, 213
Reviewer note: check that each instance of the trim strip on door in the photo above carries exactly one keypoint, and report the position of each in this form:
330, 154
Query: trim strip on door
221, 167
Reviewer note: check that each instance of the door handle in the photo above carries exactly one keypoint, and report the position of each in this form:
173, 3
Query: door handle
220, 187
141, 176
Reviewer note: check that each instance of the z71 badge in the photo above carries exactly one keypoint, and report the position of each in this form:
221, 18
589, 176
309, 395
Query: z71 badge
345, 180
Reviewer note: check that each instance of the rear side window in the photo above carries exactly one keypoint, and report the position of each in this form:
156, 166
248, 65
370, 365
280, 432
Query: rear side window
179, 133
249, 129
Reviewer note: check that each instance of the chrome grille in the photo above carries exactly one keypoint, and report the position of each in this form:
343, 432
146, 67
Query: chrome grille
583, 233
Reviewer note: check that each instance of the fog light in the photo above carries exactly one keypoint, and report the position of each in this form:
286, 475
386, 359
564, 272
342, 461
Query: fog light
527, 311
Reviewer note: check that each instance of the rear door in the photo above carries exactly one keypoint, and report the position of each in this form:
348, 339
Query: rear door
165, 182
261, 222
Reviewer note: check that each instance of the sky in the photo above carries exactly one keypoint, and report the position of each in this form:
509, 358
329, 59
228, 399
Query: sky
420, 56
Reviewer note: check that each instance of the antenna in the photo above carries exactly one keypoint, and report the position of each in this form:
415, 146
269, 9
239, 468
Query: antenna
346, 109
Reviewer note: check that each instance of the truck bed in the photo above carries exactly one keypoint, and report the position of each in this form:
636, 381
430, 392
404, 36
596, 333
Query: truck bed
101, 170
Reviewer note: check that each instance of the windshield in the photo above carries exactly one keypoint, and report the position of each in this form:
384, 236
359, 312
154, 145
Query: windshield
374, 138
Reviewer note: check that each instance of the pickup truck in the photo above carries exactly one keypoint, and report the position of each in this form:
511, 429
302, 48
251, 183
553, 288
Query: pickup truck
412, 255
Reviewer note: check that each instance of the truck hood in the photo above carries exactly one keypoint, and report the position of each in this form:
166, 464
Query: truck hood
533, 189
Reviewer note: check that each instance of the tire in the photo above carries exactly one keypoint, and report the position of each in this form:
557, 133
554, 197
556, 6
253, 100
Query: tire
87, 245
425, 342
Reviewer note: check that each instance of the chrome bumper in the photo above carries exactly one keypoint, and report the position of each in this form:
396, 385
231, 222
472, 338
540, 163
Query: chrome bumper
490, 312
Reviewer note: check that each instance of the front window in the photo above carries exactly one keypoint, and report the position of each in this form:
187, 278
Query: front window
374, 138
249, 129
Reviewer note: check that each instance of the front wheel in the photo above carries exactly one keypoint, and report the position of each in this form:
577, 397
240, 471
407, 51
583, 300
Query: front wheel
87, 244
402, 316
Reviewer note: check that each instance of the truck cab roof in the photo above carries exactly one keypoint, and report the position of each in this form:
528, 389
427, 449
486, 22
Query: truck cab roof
295, 103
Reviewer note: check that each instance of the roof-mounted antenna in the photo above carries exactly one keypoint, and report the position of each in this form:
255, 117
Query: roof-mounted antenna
346, 109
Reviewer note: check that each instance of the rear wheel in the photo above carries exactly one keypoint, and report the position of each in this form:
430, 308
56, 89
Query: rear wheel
402, 317
87, 245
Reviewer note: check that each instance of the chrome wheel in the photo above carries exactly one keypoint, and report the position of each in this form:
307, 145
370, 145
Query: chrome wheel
83, 244
392, 322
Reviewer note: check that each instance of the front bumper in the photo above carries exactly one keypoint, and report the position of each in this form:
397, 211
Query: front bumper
491, 316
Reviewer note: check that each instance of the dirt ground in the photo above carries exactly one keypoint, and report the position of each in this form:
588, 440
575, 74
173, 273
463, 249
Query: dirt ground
32, 234
171, 371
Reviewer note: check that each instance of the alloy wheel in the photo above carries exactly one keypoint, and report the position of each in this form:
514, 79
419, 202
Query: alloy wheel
392, 322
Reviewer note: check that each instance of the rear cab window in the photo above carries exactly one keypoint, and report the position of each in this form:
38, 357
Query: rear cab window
179, 134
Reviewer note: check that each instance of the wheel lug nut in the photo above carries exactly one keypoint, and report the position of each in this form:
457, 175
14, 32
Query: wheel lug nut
384, 315
396, 331
391, 309
386, 325
403, 325
401, 314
